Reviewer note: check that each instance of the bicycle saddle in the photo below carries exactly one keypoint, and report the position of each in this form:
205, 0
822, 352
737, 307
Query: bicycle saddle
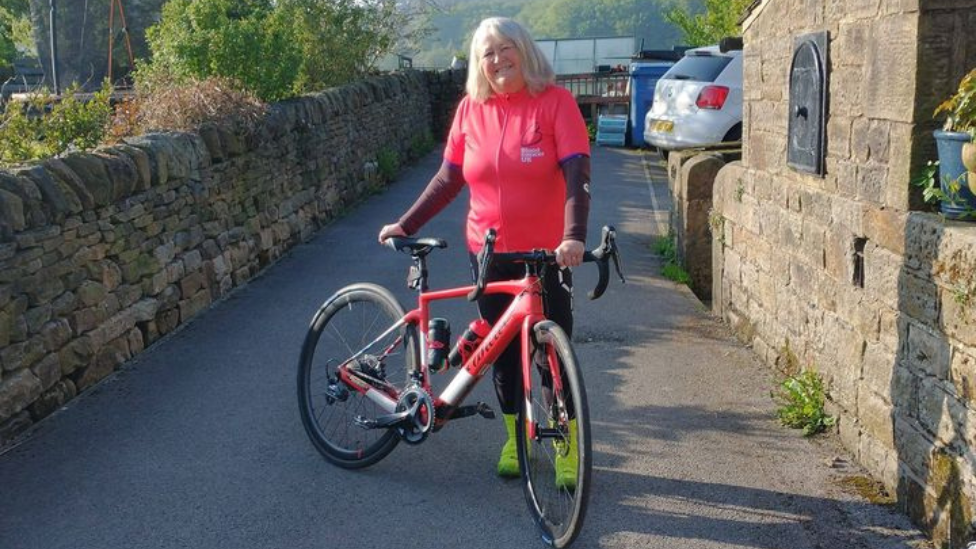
416, 246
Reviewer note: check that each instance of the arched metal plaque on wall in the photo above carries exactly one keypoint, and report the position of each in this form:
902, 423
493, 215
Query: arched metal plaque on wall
806, 147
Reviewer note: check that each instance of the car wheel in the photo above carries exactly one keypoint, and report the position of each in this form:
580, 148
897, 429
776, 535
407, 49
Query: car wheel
734, 134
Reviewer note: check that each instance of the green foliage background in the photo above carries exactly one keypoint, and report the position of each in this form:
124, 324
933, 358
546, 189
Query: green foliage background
454, 21
15, 31
276, 49
717, 20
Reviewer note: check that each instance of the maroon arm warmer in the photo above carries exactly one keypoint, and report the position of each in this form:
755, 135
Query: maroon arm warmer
442, 189
576, 171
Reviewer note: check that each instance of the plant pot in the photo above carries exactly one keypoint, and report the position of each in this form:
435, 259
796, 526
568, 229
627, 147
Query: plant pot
951, 169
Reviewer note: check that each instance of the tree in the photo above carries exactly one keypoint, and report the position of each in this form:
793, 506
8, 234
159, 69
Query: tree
15, 31
274, 48
719, 20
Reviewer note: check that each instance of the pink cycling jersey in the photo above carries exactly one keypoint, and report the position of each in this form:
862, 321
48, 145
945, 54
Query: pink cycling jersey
510, 149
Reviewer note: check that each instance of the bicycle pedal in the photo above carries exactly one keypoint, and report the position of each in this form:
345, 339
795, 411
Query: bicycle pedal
485, 411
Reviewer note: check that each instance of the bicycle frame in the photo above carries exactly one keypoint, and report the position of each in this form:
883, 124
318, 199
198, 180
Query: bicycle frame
525, 310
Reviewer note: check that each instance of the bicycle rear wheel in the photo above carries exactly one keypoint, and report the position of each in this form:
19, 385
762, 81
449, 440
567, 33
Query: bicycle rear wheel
558, 509
349, 325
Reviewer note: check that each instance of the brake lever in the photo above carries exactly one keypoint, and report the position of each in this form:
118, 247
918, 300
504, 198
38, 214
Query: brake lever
615, 254
484, 260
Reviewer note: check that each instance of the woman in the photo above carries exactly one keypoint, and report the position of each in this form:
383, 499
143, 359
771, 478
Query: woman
520, 144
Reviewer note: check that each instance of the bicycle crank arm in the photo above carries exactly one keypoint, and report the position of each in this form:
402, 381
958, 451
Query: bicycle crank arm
480, 409
383, 422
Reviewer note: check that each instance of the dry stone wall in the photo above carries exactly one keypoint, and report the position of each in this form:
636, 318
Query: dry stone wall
103, 253
839, 274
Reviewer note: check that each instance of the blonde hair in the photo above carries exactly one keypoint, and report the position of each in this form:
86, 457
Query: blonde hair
536, 69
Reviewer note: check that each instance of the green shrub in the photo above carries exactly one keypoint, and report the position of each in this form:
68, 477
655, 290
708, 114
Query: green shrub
422, 144
388, 162
341, 40
78, 123
43, 127
275, 49
801, 400
247, 40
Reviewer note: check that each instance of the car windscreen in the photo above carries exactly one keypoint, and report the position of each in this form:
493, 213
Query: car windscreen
699, 68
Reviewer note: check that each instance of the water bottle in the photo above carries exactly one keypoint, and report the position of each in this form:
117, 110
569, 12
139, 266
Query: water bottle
438, 339
468, 342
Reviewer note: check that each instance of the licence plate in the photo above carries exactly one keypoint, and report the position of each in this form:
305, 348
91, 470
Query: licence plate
664, 126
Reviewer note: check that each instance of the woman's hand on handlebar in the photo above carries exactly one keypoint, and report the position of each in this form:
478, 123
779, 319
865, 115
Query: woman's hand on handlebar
393, 229
569, 253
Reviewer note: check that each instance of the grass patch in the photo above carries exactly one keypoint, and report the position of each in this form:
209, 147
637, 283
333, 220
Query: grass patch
868, 489
672, 270
801, 399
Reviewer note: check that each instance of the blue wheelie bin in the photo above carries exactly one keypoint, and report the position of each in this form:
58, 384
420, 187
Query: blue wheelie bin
643, 77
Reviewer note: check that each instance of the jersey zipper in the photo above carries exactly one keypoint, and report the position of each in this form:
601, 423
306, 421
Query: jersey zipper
498, 179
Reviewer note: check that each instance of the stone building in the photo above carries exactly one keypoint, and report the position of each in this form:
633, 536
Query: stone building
826, 261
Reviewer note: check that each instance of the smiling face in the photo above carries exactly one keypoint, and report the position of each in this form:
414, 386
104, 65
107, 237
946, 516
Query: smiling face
501, 64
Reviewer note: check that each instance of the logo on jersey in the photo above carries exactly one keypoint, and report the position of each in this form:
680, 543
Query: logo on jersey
530, 153
530, 141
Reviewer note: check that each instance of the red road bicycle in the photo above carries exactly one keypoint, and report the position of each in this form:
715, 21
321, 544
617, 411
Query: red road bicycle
364, 385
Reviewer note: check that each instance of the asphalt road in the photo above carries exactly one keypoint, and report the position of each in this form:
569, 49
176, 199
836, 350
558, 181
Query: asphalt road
197, 443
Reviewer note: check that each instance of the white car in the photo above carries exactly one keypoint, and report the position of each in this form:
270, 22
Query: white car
697, 102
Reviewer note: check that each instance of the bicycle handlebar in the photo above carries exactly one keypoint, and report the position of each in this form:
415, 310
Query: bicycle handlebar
601, 255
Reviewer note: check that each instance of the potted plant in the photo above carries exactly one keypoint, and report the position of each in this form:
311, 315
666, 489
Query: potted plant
957, 151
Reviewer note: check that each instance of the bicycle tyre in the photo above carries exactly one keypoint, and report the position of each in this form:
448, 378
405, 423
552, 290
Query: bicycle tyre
345, 324
558, 512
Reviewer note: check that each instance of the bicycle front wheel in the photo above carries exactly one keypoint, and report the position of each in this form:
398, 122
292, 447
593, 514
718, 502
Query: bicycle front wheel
556, 462
349, 329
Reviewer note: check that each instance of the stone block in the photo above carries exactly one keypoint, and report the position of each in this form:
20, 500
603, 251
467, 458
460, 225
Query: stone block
140, 160
890, 68
48, 371
928, 351
11, 214
880, 460
934, 411
192, 261
196, 303
91, 171
36, 317
919, 299
76, 354
57, 195
871, 183
924, 232
879, 367
91, 293
17, 392
55, 334
53, 399
109, 357
962, 373
192, 283
168, 320
851, 44
886, 228
875, 415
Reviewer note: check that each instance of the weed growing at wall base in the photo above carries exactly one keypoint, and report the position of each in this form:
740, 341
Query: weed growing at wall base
801, 400
389, 162
665, 247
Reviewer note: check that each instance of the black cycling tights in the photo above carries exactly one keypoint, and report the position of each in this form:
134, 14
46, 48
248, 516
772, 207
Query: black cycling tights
558, 303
